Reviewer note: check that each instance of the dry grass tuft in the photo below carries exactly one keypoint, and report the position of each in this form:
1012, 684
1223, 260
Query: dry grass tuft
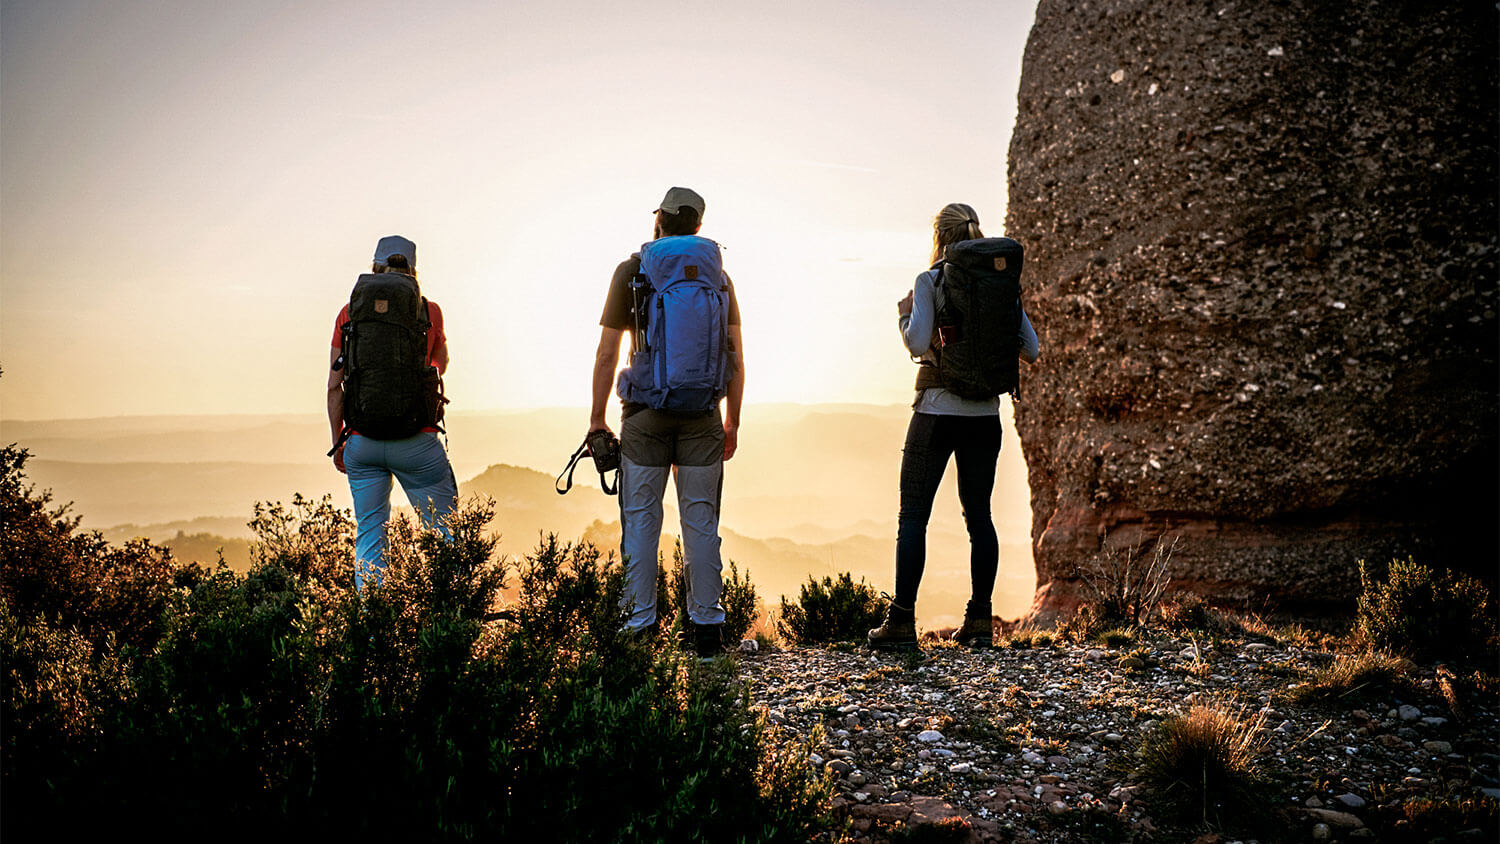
1365, 675
1204, 760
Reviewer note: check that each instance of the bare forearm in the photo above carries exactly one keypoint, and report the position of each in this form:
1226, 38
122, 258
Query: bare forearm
605, 359
735, 398
336, 411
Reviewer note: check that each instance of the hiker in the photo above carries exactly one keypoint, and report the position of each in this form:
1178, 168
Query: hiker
686, 355
385, 401
956, 411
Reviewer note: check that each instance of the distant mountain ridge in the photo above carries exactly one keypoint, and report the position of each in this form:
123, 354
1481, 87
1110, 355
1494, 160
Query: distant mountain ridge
812, 491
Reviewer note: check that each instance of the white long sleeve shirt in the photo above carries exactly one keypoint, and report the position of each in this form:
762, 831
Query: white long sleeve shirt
917, 331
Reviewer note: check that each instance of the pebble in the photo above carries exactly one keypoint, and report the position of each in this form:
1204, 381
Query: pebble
1351, 800
948, 729
1343, 820
1321, 832
749, 646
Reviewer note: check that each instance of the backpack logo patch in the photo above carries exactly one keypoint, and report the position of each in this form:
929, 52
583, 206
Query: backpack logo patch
1000, 265
690, 271
382, 306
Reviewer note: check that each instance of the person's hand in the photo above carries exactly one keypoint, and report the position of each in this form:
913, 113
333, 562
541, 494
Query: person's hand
731, 440
903, 307
338, 459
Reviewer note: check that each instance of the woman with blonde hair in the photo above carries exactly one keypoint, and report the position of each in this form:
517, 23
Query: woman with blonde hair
945, 424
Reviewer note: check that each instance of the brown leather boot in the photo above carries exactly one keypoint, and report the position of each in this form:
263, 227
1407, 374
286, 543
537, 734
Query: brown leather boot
976, 632
898, 632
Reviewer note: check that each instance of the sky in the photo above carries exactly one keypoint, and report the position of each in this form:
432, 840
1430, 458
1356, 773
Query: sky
188, 190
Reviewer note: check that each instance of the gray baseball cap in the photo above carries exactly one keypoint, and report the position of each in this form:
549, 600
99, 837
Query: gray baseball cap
395, 244
679, 198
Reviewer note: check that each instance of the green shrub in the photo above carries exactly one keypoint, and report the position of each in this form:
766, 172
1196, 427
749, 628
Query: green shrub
1187, 612
75, 580
835, 610
282, 702
1426, 614
1203, 762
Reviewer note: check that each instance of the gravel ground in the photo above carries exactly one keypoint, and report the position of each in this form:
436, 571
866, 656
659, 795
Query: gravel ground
1040, 743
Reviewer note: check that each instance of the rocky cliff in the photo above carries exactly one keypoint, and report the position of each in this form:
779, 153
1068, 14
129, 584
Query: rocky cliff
1262, 248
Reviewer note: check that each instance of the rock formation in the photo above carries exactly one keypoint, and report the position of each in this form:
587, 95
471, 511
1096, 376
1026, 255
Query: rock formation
1261, 258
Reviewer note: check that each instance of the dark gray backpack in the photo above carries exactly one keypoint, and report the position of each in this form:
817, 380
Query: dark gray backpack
390, 390
978, 319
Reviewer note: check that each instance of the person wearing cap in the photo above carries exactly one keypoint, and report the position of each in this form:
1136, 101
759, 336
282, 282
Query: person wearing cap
691, 448
419, 462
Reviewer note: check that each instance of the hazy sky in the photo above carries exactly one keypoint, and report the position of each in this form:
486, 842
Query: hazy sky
188, 189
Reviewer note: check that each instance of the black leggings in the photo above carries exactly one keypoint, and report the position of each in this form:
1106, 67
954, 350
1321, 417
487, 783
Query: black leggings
975, 443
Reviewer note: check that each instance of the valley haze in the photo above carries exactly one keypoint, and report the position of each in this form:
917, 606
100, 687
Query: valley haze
813, 489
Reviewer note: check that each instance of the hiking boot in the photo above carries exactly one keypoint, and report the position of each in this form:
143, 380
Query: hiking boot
898, 632
976, 632
708, 640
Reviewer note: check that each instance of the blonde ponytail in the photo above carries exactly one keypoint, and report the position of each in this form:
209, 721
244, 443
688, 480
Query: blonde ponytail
955, 222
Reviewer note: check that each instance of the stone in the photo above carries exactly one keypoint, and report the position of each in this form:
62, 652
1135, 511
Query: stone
1350, 800
1320, 831
1314, 803
1183, 246
1342, 820
1407, 712
1437, 747
749, 646
929, 736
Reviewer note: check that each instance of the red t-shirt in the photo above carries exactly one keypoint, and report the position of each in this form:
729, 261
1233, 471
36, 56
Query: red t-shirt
435, 336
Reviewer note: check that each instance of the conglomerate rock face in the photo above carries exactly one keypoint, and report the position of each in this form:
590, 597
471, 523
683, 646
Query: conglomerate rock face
1261, 258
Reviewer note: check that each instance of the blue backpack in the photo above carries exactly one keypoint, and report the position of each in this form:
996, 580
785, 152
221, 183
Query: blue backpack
679, 358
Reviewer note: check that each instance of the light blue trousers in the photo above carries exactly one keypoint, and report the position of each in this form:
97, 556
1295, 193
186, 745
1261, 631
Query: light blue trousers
420, 463
698, 491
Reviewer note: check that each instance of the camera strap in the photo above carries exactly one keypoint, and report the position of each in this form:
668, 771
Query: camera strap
573, 465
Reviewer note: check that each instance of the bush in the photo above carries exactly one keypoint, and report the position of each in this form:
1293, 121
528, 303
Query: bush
283, 702
1187, 612
1427, 614
1127, 583
1203, 761
835, 610
75, 580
